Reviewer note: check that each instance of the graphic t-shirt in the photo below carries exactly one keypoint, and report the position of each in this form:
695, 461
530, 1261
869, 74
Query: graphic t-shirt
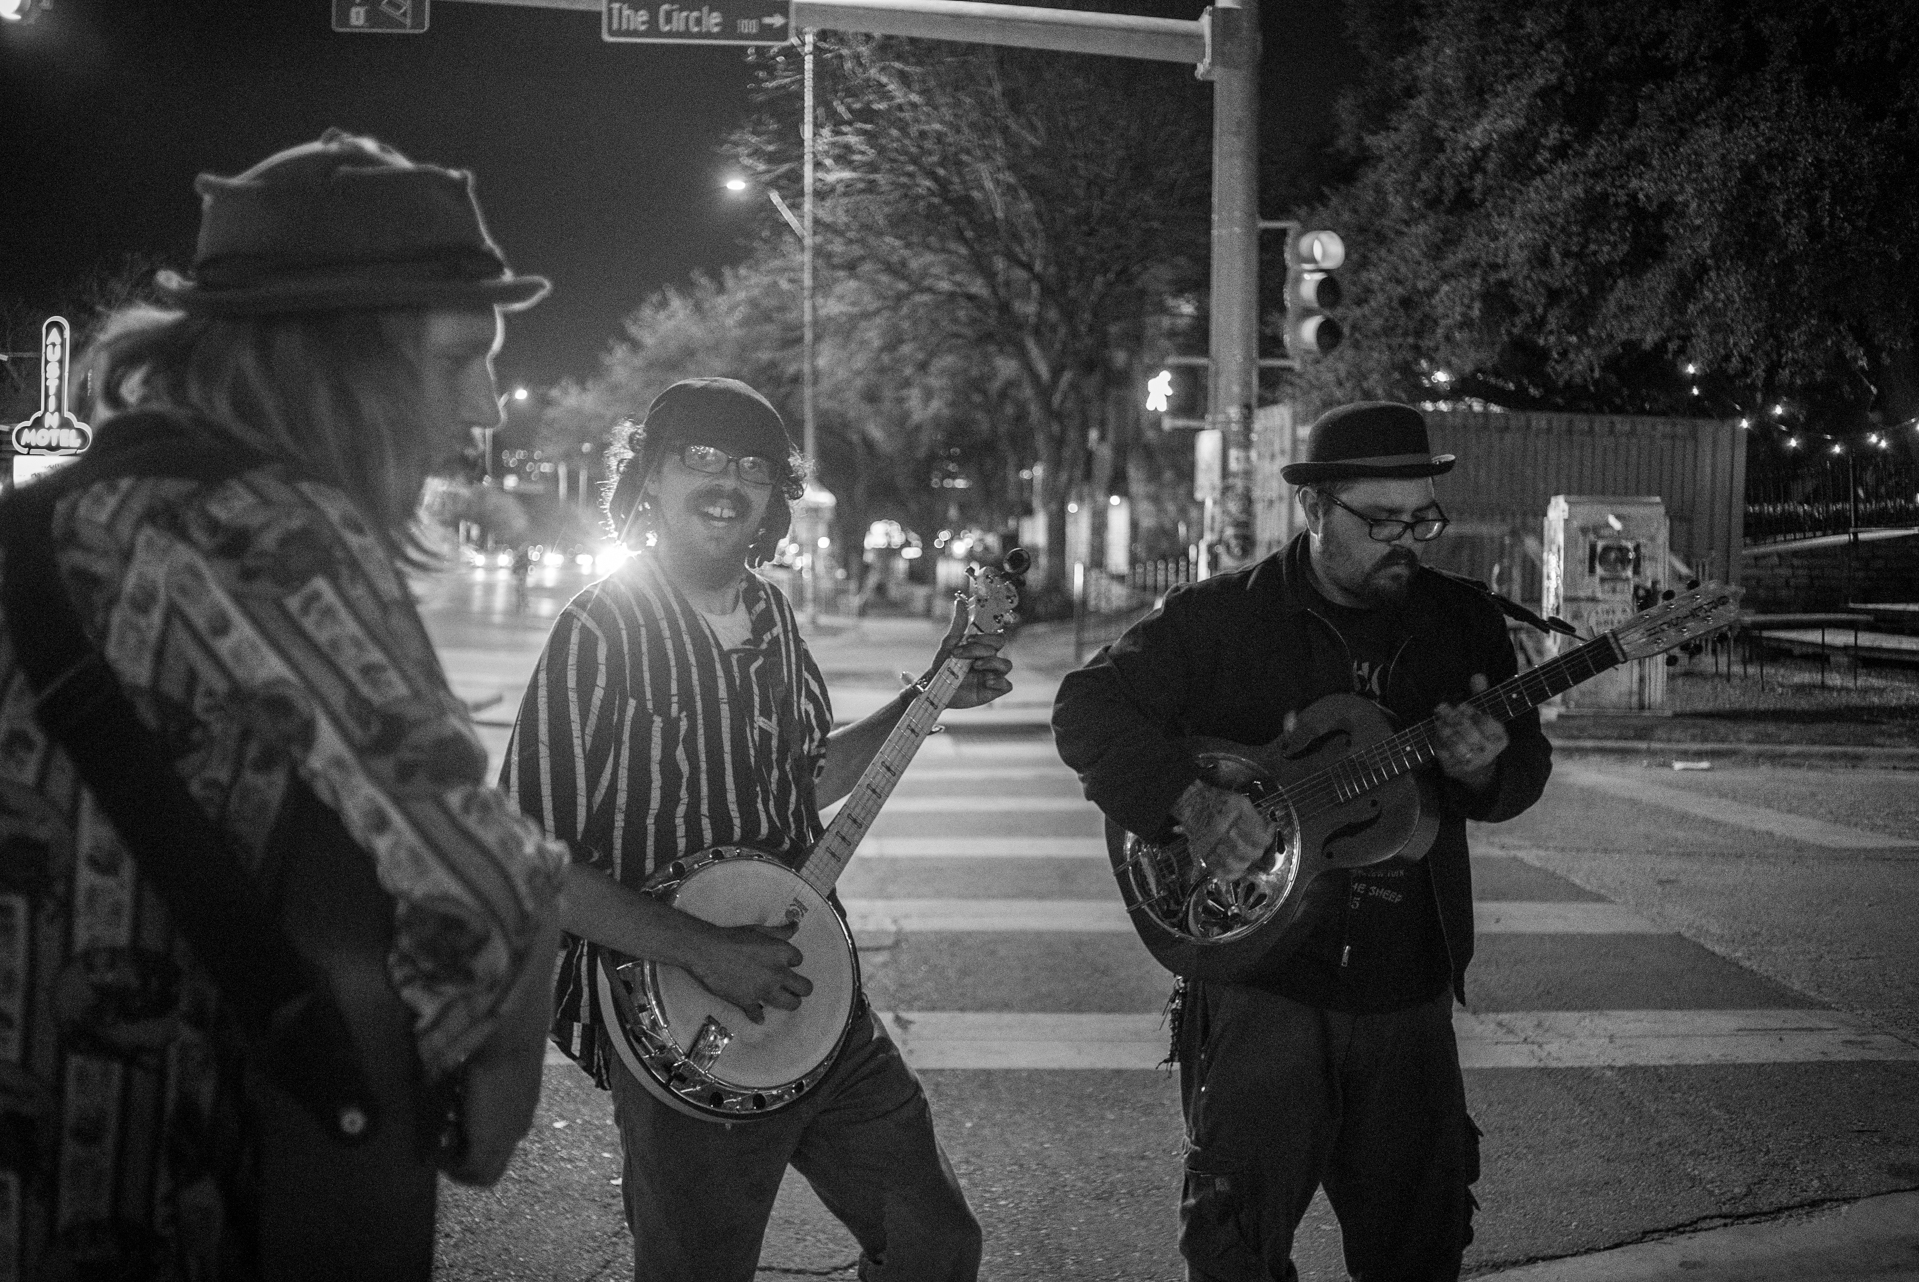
1379, 948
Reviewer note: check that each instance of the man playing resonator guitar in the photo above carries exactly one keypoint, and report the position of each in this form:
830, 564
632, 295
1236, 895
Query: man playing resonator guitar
1332, 1059
676, 710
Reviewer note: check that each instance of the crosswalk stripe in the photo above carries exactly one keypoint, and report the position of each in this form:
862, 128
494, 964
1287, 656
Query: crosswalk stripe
1099, 916
953, 747
1815, 832
976, 802
940, 772
1487, 1040
1520, 1039
982, 848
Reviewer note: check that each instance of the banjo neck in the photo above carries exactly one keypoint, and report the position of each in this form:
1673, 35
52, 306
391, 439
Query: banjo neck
829, 858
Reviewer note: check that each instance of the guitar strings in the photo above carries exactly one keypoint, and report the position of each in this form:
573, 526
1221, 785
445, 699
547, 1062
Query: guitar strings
1368, 767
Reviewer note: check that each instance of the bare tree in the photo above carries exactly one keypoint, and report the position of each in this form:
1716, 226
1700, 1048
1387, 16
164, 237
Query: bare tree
1013, 205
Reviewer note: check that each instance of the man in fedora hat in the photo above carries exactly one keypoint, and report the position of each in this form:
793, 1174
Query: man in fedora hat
1334, 1063
675, 709
244, 1042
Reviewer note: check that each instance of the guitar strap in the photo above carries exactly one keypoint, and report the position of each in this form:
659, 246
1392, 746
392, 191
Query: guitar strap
211, 897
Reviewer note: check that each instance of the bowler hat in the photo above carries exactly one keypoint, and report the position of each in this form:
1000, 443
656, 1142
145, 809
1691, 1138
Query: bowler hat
345, 222
1367, 439
722, 412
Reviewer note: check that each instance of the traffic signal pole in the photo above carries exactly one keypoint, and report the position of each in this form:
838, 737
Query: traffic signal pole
1223, 46
1234, 341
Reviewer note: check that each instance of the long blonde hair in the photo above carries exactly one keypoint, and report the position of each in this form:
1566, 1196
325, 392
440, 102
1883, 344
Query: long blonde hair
336, 395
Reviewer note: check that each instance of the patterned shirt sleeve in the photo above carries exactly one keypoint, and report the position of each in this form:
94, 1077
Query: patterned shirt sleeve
260, 627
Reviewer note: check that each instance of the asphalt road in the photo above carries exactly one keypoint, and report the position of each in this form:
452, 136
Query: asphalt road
1695, 1001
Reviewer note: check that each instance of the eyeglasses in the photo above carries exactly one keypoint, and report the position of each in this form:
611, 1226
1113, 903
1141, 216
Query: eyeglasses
1385, 529
753, 469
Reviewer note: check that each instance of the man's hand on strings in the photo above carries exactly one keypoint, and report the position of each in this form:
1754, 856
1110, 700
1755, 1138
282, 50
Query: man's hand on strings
1224, 830
1468, 741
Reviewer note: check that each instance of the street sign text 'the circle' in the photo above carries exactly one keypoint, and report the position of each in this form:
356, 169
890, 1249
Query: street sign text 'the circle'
717, 22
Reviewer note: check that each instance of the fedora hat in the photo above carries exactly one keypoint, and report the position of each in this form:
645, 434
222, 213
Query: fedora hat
345, 222
1367, 439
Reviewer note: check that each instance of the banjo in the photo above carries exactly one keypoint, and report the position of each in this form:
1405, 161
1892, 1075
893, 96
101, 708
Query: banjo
699, 1053
1343, 789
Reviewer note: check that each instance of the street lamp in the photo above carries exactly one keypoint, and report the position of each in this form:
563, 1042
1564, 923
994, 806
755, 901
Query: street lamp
802, 225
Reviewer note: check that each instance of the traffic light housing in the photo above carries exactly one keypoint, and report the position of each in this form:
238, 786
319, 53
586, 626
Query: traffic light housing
1312, 291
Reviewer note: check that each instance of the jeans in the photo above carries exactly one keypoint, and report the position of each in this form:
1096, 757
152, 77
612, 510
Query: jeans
698, 1193
1282, 1097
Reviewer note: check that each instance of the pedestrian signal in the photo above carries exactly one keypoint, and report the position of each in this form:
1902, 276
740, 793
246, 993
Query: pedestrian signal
1176, 393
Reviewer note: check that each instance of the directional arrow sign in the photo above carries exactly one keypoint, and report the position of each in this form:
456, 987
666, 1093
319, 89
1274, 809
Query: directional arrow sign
384, 17
715, 22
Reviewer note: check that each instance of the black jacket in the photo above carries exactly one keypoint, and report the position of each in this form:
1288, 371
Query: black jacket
1232, 655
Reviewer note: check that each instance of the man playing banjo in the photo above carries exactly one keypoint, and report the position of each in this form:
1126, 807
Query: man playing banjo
676, 709
1334, 1064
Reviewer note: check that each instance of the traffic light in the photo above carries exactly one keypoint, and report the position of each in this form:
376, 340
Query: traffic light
1311, 291
1176, 392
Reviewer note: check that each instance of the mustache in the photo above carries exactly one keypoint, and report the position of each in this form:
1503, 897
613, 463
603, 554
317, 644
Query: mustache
718, 490
1400, 557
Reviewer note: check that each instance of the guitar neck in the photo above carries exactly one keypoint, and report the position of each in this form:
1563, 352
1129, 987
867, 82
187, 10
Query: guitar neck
1376, 763
835, 850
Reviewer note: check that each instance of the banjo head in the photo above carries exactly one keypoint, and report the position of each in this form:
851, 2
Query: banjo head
700, 1053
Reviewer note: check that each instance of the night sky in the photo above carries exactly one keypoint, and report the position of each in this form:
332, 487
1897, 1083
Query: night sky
599, 164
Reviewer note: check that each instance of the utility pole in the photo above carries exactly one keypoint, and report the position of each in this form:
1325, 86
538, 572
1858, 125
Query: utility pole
1234, 343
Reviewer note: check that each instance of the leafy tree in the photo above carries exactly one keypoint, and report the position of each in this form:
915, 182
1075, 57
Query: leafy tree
1010, 205
1566, 202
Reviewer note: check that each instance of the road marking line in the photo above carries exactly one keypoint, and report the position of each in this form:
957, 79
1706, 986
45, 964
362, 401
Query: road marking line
1107, 916
1814, 832
1516, 1039
983, 848
1645, 1038
975, 802
940, 772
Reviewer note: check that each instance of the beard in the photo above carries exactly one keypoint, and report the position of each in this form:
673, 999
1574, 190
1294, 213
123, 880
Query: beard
1387, 584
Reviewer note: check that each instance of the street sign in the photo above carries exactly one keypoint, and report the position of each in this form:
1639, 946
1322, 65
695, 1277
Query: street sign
724, 22
382, 17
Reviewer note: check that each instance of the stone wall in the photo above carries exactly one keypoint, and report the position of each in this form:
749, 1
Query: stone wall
1826, 574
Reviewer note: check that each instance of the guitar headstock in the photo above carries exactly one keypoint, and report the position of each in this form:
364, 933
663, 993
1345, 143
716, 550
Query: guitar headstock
1688, 616
993, 595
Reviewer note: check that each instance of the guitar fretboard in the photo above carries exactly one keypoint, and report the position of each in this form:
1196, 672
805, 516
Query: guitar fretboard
1360, 772
835, 850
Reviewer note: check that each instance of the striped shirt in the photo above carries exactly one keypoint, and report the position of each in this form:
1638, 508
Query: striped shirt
260, 630
641, 740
